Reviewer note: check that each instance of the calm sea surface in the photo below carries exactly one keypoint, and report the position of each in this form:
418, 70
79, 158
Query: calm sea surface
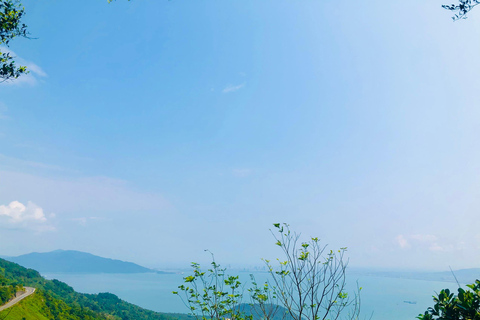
381, 295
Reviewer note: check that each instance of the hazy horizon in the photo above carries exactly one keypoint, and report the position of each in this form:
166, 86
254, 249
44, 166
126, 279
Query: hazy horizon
151, 131
252, 267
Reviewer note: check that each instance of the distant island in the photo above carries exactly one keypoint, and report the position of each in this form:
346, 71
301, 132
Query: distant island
70, 261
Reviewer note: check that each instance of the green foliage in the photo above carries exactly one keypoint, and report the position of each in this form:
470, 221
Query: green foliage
212, 294
8, 287
448, 306
462, 8
265, 303
307, 284
62, 302
310, 282
11, 26
7, 293
41, 305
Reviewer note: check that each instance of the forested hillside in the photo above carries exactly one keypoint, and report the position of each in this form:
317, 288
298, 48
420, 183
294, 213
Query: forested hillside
56, 300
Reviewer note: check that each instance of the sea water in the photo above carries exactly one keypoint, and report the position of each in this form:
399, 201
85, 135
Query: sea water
381, 297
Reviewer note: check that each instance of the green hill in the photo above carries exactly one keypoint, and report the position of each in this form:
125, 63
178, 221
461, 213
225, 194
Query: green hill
56, 300
42, 306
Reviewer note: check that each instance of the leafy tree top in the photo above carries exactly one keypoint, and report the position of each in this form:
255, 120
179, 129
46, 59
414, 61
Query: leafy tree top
11, 26
462, 8
448, 306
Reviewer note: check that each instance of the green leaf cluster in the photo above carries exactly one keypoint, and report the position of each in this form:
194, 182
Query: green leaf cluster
212, 294
11, 26
449, 306
462, 8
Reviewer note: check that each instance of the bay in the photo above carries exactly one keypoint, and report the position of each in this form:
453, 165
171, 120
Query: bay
382, 297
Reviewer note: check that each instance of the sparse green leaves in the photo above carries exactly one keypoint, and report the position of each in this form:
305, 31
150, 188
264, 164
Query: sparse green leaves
343, 295
309, 282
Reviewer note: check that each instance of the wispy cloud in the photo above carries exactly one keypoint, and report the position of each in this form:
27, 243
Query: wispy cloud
424, 241
402, 242
241, 172
32, 78
84, 220
100, 196
20, 162
232, 88
3, 111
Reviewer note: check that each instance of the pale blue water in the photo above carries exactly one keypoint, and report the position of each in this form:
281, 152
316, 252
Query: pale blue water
381, 295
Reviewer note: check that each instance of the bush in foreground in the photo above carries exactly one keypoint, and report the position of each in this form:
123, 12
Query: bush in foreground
465, 305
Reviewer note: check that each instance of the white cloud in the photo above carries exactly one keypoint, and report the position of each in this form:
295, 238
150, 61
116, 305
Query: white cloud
18, 212
32, 77
20, 216
232, 88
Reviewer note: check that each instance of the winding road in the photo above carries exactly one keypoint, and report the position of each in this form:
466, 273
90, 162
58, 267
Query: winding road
14, 301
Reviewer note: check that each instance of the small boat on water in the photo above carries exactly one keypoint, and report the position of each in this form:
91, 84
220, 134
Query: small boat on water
410, 302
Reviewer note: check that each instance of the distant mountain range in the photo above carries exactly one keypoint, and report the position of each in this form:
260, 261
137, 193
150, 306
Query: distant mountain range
69, 261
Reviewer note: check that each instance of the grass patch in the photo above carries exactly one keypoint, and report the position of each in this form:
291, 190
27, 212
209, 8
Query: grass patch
30, 308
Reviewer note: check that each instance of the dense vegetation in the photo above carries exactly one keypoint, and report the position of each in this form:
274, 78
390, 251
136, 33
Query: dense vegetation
8, 287
41, 306
450, 306
6, 293
56, 300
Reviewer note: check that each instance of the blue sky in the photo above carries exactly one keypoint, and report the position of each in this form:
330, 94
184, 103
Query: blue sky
151, 130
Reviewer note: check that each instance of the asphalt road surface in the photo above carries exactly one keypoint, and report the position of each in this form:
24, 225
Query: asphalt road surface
14, 301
